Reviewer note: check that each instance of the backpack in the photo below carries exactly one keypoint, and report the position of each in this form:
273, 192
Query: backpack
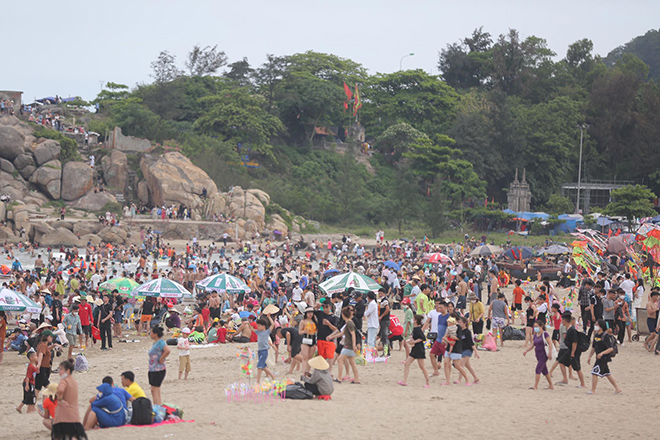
612, 342
142, 412
583, 342
81, 364
297, 391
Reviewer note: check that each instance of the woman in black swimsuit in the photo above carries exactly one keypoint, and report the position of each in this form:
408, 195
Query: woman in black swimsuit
529, 325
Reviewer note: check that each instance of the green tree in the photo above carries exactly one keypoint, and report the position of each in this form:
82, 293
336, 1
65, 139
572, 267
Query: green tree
396, 140
632, 202
204, 61
269, 76
164, 68
435, 214
557, 204
645, 47
240, 117
137, 120
427, 157
412, 96
306, 102
459, 185
404, 196
467, 64
326, 67
241, 72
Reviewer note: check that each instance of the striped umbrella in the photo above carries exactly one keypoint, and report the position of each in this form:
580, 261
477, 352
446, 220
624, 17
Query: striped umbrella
124, 285
342, 282
161, 287
223, 283
11, 301
437, 257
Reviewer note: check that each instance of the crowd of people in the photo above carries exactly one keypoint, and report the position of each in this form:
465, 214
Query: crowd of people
446, 309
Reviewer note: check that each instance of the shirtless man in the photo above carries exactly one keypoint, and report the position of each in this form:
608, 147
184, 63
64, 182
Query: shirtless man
214, 305
244, 332
652, 320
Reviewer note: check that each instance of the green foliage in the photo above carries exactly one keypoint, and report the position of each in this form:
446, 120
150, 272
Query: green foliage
558, 204
113, 207
69, 147
427, 157
413, 96
644, 47
632, 202
59, 204
396, 140
239, 117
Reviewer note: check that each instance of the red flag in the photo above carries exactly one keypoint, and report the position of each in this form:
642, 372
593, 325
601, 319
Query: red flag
609, 233
346, 105
618, 231
486, 202
348, 92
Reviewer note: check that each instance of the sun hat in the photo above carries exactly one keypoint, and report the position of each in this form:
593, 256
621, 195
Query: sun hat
45, 291
451, 321
51, 390
271, 309
318, 363
76, 299
309, 309
89, 298
405, 301
185, 331
98, 302
471, 296
44, 325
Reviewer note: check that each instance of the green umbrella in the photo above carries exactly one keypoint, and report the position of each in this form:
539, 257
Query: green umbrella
342, 282
223, 283
11, 301
124, 285
161, 287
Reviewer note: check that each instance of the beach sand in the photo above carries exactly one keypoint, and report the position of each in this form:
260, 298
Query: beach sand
501, 407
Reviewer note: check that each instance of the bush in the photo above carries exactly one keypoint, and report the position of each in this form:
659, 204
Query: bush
113, 207
69, 151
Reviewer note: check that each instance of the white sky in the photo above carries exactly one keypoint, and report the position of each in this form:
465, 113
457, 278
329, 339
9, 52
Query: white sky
69, 47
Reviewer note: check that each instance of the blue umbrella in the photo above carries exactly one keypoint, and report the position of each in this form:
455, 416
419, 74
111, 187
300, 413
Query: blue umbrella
330, 272
519, 253
392, 265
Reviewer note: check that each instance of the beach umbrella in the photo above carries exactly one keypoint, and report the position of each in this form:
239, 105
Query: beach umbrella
5, 269
330, 272
11, 301
438, 257
124, 285
555, 249
620, 243
162, 288
223, 283
392, 265
519, 253
342, 282
486, 251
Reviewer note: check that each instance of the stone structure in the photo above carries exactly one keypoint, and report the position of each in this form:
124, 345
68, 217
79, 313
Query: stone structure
15, 96
520, 196
118, 141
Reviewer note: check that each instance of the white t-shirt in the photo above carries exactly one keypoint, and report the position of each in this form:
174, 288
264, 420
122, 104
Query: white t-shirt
433, 316
296, 295
628, 286
95, 281
372, 314
183, 346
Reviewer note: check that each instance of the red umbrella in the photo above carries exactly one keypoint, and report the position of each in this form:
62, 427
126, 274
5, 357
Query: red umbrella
438, 258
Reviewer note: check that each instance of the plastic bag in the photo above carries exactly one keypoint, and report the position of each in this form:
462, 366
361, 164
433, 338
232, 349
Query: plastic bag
159, 413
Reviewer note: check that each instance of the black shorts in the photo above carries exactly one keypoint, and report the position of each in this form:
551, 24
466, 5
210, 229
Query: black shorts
396, 338
601, 368
517, 306
28, 396
156, 378
564, 358
87, 330
610, 324
42, 378
555, 335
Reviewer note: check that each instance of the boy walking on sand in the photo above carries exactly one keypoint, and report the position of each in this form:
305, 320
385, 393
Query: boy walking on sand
29, 398
183, 345
264, 327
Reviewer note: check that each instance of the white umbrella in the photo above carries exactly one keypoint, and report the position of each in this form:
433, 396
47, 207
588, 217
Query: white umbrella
11, 301
161, 287
342, 282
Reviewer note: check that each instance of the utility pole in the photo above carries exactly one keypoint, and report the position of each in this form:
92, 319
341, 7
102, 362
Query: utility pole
401, 60
577, 200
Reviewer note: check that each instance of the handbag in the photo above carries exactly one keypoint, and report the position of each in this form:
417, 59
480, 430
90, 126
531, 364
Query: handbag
308, 341
433, 335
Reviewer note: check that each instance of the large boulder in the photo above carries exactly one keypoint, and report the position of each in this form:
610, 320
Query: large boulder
21, 217
48, 178
87, 228
7, 166
94, 201
23, 160
113, 235
77, 180
46, 150
143, 192
27, 171
11, 142
115, 169
174, 179
3, 212
59, 237
277, 224
262, 196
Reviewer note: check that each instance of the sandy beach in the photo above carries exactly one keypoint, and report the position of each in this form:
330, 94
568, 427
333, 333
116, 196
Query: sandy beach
501, 407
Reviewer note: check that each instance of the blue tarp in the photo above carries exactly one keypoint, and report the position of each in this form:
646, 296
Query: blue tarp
528, 215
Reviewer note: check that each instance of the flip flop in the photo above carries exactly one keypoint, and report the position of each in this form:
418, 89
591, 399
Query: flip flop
531, 388
427, 386
445, 384
402, 383
476, 382
334, 379
618, 393
355, 383
468, 384
590, 392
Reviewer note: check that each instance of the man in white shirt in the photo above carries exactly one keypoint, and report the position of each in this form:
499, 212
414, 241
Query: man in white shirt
628, 285
372, 319
296, 295
96, 278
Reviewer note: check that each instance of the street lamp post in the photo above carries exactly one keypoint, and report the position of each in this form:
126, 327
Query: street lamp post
401, 60
577, 200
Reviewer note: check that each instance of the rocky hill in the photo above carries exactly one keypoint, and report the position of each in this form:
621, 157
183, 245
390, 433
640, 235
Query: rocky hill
37, 182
